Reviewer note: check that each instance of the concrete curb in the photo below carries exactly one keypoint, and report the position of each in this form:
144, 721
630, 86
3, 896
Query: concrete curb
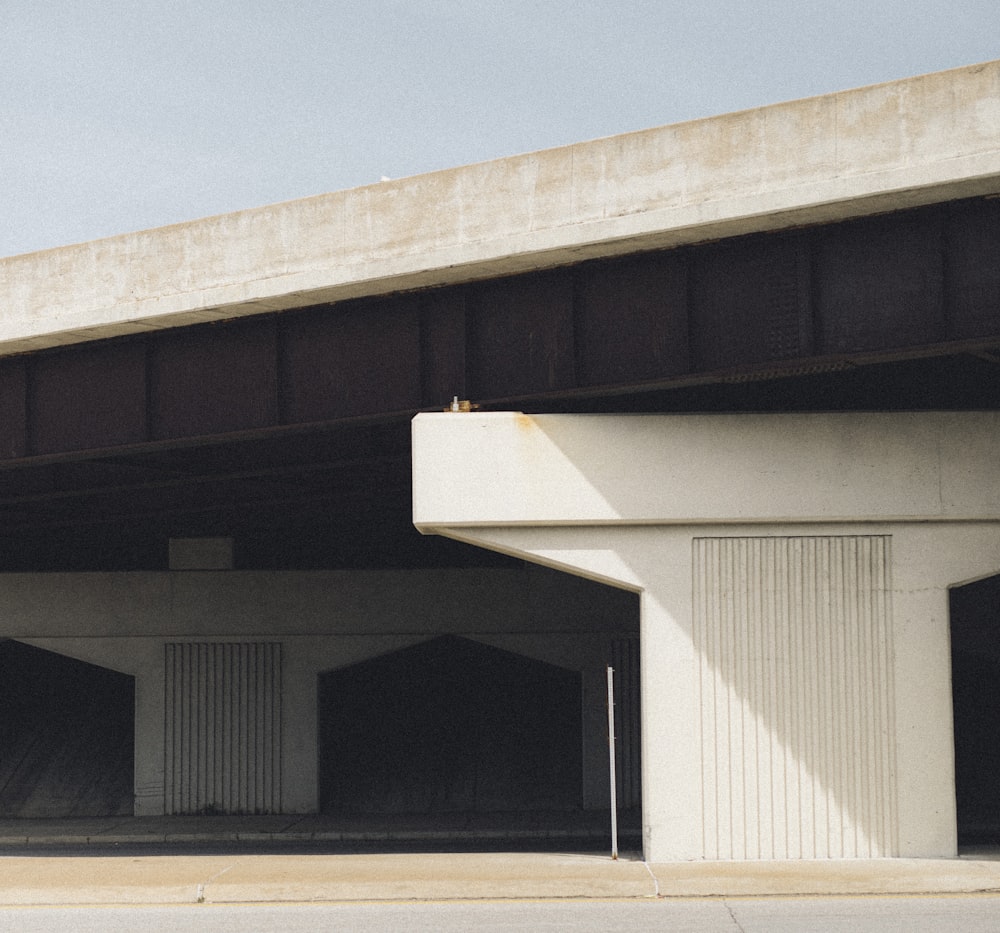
834, 877
304, 878
248, 879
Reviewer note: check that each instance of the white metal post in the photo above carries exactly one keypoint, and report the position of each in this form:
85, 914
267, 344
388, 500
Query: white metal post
611, 762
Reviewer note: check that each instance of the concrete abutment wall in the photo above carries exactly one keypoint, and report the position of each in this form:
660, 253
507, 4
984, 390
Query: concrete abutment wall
226, 664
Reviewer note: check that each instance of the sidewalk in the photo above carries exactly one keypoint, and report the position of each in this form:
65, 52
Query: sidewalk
238, 878
243, 875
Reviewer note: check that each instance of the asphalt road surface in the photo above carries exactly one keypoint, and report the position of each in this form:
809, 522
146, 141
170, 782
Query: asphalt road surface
925, 914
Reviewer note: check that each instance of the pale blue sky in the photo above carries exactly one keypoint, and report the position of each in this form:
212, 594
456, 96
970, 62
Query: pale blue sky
116, 116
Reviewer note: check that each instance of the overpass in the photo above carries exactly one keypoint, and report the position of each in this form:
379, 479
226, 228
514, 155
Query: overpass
205, 442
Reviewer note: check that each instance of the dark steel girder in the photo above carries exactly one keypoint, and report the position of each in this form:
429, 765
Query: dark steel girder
916, 283
290, 431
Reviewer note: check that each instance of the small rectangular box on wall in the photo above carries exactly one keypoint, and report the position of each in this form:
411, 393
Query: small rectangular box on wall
201, 554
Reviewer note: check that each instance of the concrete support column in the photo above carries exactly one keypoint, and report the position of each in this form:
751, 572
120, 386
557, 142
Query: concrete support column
925, 752
299, 765
149, 719
671, 774
796, 693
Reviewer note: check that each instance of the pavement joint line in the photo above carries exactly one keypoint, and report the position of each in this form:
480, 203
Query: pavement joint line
656, 881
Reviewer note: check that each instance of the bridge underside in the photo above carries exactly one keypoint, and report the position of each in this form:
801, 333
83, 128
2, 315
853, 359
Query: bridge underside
290, 432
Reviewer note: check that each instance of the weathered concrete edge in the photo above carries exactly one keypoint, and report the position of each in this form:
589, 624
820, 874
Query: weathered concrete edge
857, 152
840, 199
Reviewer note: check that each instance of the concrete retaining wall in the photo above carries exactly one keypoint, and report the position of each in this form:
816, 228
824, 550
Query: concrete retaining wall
321, 621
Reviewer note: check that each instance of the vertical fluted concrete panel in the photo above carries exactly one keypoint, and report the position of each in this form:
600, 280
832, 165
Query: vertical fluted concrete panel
795, 684
223, 727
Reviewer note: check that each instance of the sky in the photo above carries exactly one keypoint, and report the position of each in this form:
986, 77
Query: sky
120, 115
